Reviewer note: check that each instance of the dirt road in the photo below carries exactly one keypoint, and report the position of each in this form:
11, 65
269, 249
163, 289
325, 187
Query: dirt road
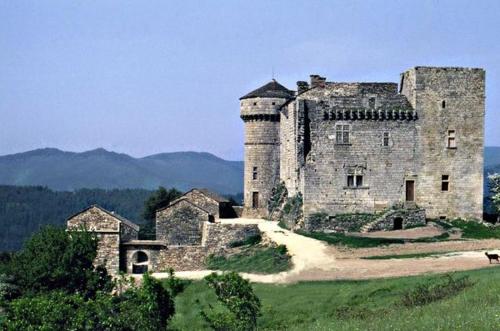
315, 260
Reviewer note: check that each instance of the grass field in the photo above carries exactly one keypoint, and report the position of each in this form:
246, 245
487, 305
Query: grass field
255, 259
359, 305
405, 256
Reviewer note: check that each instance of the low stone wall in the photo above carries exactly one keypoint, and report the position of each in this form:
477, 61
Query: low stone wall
182, 258
220, 236
409, 218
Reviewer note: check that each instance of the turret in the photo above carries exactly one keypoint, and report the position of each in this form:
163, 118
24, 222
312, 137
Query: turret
260, 110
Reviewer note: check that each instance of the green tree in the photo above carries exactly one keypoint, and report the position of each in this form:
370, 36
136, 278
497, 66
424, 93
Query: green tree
495, 190
237, 296
159, 199
54, 259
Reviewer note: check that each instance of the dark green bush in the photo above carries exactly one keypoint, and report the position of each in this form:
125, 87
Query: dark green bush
446, 287
250, 241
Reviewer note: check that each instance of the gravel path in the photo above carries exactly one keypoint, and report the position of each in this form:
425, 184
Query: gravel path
315, 260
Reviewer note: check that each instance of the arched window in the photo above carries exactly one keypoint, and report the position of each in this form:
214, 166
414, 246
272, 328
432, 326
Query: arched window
141, 257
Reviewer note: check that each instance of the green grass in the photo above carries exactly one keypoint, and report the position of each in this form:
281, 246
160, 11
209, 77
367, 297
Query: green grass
359, 305
254, 259
475, 230
350, 241
405, 256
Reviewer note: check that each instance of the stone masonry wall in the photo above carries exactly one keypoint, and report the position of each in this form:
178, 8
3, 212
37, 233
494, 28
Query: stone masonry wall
202, 201
181, 223
463, 91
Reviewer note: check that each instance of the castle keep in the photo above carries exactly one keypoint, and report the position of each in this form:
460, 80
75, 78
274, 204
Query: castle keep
367, 147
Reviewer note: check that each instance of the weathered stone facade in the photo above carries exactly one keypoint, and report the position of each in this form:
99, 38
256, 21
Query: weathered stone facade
365, 147
215, 205
111, 230
186, 235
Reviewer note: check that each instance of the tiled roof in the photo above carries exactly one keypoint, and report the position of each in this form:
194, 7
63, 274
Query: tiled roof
273, 89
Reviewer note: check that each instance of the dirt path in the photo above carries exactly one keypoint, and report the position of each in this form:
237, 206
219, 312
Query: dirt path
315, 260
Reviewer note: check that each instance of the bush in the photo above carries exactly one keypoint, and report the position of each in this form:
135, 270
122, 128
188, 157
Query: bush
174, 284
242, 306
250, 241
54, 259
148, 308
426, 293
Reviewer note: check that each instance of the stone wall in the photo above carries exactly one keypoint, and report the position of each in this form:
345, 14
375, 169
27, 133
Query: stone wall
461, 91
201, 200
181, 223
410, 218
261, 117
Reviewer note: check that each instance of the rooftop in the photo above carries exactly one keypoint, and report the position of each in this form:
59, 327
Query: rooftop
273, 89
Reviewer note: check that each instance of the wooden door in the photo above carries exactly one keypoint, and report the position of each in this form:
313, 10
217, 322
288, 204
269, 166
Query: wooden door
410, 190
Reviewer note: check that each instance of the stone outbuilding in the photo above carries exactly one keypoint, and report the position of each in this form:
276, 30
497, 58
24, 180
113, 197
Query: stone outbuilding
217, 206
111, 229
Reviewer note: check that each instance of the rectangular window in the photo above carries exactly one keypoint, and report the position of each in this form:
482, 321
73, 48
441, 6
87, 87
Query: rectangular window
254, 173
452, 143
255, 199
354, 181
371, 102
445, 182
350, 181
342, 134
386, 139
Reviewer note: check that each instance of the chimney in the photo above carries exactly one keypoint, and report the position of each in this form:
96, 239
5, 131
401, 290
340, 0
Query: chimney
302, 86
317, 80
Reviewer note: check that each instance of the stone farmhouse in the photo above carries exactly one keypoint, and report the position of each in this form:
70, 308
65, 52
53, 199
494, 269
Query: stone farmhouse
187, 232
368, 147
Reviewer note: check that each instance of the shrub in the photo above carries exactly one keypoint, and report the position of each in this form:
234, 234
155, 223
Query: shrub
426, 293
54, 259
250, 241
278, 194
242, 306
175, 285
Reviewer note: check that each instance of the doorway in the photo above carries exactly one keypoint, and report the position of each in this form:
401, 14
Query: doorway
410, 190
141, 263
398, 224
255, 199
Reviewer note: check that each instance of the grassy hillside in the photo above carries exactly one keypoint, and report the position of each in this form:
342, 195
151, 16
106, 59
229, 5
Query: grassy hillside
99, 168
361, 305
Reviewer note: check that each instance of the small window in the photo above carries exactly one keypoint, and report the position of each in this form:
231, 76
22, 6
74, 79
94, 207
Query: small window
371, 102
254, 173
354, 181
452, 142
274, 103
342, 134
255, 103
350, 181
443, 104
386, 139
359, 181
445, 183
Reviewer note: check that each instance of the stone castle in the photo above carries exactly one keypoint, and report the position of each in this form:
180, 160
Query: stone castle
366, 147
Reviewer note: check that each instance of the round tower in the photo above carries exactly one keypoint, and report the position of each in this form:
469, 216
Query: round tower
260, 110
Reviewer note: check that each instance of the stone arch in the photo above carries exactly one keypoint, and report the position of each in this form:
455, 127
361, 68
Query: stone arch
140, 262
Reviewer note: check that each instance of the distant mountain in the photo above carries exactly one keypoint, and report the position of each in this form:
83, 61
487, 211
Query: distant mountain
103, 169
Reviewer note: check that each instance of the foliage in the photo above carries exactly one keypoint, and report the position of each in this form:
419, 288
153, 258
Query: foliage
495, 190
265, 260
358, 305
148, 307
476, 230
175, 285
23, 210
56, 259
158, 199
237, 296
292, 211
278, 195
426, 293
251, 240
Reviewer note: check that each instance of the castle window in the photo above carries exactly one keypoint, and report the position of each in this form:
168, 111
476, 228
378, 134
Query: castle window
354, 181
443, 104
452, 143
386, 139
342, 134
254, 173
371, 102
274, 103
445, 183
255, 103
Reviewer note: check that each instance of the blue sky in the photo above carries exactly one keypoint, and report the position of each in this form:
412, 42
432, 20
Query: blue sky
143, 77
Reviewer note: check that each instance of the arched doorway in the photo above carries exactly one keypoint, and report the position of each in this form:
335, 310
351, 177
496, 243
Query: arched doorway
141, 262
398, 223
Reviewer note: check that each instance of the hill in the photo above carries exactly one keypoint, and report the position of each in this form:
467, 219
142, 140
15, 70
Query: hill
103, 169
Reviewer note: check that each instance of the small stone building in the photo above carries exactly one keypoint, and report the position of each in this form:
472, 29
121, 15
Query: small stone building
187, 234
112, 231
